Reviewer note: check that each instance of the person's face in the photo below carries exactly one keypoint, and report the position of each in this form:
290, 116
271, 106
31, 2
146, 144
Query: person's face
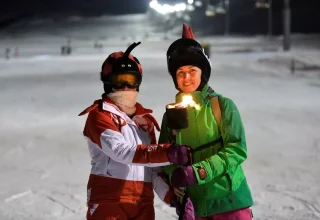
188, 78
124, 89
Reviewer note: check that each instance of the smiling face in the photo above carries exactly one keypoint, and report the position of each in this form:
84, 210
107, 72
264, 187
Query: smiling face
188, 78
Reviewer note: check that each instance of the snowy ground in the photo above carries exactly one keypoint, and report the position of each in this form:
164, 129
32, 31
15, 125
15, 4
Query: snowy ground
44, 160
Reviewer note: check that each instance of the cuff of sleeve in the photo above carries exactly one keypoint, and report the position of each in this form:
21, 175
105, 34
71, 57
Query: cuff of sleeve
163, 152
154, 153
202, 174
169, 196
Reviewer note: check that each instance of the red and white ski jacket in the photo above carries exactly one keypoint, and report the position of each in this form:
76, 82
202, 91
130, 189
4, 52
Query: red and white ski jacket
124, 157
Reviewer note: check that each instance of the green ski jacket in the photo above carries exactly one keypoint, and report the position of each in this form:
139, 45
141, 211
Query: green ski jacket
225, 187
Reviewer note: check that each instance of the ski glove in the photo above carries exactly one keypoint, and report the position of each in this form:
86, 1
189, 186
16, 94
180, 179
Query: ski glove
185, 211
183, 176
188, 210
178, 154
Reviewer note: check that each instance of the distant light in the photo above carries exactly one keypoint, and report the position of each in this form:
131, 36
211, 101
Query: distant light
210, 13
153, 4
164, 9
167, 8
220, 10
190, 2
198, 3
190, 7
262, 5
180, 7
186, 18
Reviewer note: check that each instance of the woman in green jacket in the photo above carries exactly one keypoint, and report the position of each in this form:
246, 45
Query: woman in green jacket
215, 182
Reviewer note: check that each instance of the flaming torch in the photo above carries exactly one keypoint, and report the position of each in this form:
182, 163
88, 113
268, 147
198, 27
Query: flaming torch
177, 114
177, 119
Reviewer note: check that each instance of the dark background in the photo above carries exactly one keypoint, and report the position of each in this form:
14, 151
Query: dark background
244, 17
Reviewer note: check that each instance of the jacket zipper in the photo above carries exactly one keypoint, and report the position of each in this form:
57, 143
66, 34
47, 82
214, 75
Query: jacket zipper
198, 141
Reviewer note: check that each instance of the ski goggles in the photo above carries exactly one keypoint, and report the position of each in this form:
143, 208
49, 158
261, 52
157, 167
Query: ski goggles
130, 80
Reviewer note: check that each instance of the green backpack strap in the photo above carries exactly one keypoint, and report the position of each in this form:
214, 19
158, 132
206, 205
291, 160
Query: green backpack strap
215, 104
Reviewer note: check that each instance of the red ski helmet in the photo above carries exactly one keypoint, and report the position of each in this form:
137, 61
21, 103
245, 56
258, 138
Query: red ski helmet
119, 63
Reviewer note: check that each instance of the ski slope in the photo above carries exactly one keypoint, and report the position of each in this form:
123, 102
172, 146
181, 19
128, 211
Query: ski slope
44, 163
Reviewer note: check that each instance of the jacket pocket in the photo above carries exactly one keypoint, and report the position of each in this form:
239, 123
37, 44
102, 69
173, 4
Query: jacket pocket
222, 187
230, 194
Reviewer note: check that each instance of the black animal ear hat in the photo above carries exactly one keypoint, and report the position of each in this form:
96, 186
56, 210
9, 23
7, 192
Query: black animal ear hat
188, 51
120, 62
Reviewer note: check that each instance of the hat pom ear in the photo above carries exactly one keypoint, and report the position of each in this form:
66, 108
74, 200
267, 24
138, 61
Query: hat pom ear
187, 32
130, 48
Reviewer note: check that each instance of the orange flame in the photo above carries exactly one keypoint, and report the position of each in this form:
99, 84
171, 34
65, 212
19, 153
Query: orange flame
186, 101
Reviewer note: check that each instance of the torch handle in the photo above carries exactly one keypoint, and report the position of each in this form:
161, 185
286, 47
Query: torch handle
178, 136
178, 139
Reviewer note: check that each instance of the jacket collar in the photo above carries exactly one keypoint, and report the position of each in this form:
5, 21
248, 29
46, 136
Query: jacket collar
105, 102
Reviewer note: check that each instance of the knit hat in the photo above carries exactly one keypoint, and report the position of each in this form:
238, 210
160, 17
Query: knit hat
188, 51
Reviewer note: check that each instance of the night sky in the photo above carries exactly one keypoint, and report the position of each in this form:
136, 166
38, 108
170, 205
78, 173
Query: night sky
71, 7
245, 17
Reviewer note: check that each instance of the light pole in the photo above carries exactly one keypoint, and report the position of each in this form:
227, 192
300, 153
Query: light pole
286, 25
266, 4
227, 17
270, 19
